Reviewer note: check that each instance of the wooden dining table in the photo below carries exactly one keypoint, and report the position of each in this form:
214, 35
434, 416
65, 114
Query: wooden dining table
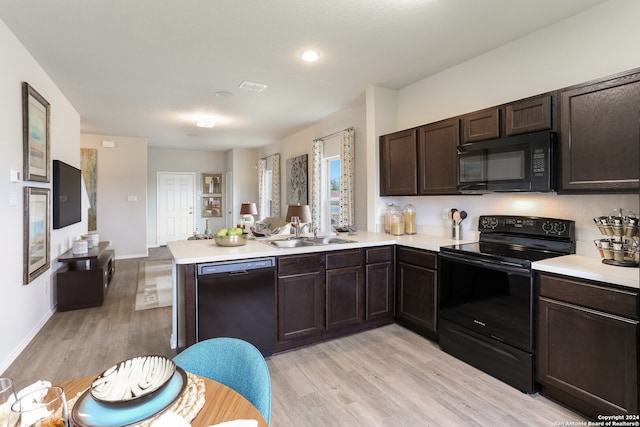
222, 403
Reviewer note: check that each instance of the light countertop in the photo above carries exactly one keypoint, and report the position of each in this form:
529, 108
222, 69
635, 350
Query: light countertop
198, 251
590, 268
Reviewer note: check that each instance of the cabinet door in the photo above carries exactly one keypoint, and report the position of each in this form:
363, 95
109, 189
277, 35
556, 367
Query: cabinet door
300, 306
589, 356
398, 164
300, 298
438, 158
379, 280
379, 291
481, 125
528, 115
417, 295
344, 297
599, 134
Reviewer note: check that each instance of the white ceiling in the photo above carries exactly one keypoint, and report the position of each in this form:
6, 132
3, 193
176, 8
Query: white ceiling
146, 68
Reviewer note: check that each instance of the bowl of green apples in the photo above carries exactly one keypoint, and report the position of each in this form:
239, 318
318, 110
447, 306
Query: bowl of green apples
230, 237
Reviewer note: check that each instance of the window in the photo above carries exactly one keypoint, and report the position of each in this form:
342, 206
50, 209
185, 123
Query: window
332, 183
331, 193
266, 202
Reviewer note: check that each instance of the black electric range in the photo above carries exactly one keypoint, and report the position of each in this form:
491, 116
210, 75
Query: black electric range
486, 293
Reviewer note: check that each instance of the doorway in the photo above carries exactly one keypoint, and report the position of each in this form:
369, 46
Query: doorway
175, 206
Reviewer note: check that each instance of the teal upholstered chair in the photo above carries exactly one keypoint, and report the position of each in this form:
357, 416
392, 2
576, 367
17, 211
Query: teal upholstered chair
234, 363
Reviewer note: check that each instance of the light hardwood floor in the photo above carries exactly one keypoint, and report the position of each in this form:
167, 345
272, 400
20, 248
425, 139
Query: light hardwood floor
385, 377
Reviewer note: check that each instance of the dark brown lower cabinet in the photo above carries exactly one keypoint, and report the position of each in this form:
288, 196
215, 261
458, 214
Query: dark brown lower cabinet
300, 297
416, 282
587, 345
379, 284
344, 303
322, 296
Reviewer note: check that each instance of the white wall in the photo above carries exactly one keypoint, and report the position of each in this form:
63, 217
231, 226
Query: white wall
167, 160
25, 308
302, 142
596, 43
121, 193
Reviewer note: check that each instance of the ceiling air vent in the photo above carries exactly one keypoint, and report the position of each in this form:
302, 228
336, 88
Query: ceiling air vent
253, 87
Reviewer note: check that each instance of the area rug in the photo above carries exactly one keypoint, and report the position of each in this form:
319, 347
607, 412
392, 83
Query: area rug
155, 287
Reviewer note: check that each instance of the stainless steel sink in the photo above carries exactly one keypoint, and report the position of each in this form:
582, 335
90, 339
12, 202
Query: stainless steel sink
327, 240
307, 241
289, 243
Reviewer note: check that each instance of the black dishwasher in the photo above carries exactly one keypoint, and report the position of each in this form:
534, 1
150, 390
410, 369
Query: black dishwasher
237, 299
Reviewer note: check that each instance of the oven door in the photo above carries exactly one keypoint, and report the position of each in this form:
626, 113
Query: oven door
490, 298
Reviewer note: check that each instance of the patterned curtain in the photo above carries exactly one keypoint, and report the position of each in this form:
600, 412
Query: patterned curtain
262, 199
316, 182
275, 187
347, 168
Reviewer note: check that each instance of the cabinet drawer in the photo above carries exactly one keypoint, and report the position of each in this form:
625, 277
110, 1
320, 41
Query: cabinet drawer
299, 264
377, 255
610, 300
417, 257
347, 258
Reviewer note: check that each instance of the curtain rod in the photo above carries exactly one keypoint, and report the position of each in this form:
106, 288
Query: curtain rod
335, 133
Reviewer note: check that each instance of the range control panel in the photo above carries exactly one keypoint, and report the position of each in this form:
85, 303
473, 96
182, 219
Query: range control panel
534, 226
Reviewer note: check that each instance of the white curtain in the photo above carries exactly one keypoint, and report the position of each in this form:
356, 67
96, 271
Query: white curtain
316, 181
347, 168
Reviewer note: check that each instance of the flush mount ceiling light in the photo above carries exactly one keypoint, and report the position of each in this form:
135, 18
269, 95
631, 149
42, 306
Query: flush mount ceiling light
310, 55
251, 86
207, 122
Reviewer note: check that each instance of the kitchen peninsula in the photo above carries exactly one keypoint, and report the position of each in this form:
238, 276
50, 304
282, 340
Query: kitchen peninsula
188, 253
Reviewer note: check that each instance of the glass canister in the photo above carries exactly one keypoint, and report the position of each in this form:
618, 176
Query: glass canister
387, 217
396, 220
409, 213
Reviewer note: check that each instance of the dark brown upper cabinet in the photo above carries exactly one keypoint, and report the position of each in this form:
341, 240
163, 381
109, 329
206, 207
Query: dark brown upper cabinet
481, 125
398, 164
600, 135
528, 115
438, 158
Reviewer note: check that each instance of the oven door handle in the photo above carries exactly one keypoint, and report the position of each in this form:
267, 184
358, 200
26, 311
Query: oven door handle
508, 267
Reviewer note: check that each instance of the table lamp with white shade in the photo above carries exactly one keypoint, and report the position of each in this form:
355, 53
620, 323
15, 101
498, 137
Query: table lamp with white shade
247, 212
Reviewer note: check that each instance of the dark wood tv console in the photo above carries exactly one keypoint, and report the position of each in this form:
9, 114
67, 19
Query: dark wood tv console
83, 279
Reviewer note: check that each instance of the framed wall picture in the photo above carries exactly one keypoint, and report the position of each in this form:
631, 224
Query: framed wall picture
35, 135
297, 180
211, 206
211, 183
36, 232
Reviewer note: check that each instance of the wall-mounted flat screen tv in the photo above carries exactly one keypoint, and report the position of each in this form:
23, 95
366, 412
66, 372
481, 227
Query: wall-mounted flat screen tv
67, 195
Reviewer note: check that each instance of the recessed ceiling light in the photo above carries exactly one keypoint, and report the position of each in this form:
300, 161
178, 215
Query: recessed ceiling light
223, 94
310, 55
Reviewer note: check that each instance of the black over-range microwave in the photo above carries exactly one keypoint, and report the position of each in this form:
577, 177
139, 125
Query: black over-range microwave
525, 162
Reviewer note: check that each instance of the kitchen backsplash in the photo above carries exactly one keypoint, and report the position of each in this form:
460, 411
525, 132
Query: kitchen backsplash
431, 216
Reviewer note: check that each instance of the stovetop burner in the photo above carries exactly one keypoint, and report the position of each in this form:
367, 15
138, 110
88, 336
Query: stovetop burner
519, 239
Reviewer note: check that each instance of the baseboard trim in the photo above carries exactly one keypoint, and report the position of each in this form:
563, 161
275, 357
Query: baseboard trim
26, 340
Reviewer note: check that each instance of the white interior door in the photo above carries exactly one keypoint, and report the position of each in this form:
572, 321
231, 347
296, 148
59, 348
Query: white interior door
175, 206
228, 199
